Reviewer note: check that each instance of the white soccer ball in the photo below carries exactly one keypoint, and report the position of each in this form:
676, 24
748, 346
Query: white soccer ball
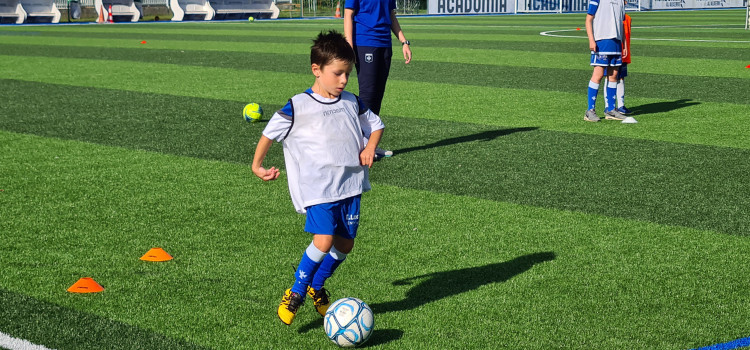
348, 322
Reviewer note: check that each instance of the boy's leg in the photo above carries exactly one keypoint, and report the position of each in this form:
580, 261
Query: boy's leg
321, 223
295, 296
593, 91
611, 87
611, 112
343, 242
621, 90
331, 261
316, 290
308, 266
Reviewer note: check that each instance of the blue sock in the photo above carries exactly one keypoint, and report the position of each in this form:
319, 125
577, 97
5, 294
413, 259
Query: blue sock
593, 91
611, 94
308, 265
327, 267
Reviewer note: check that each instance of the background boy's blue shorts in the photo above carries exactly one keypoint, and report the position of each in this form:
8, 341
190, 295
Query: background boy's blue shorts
623, 72
606, 60
339, 218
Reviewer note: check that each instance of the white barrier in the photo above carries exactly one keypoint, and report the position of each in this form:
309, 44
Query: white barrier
45, 9
191, 8
236, 9
12, 8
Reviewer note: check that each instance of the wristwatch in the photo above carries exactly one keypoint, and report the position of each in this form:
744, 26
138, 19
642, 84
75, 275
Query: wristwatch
405, 43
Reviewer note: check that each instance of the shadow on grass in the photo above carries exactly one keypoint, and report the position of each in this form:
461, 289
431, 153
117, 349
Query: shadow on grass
439, 285
660, 107
383, 336
482, 136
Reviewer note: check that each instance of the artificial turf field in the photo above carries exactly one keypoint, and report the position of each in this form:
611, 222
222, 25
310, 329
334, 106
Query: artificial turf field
503, 220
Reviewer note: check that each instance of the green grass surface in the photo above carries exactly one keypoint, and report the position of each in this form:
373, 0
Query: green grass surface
503, 221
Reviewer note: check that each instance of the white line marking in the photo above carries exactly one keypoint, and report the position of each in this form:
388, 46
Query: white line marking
11, 343
547, 33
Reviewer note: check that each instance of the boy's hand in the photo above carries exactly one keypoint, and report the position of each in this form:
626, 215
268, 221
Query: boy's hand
267, 174
367, 157
592, 46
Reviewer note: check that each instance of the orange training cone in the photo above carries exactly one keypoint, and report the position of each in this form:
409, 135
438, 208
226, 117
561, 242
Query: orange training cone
338, 9
101, 15
85, 285
109, 19
156, 254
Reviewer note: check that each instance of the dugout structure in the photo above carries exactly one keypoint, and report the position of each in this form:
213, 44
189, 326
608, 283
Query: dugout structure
29, 11
122, 10
222, 9
11, 11
191, 10
242, 9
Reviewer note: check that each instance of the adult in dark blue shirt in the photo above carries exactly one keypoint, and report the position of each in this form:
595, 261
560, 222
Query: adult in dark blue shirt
367, 26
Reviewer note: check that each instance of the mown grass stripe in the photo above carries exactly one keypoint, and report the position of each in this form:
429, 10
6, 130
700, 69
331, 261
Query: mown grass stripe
531, 78
644, 49
698, 120
63, 328
723, 68
675, 184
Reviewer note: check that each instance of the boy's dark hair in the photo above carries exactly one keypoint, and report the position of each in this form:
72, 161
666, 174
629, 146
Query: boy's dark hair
329, 46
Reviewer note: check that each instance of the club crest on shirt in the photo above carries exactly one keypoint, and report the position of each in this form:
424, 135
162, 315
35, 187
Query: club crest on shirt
368, 57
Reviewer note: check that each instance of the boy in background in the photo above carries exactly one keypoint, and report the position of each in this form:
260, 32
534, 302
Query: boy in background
623, 72
604, 29
327, 165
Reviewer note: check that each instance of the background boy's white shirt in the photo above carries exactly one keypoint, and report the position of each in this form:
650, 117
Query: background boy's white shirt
608, 20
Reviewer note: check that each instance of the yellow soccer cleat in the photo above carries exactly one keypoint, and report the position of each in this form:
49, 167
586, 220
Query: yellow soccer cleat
320, 299
290, 302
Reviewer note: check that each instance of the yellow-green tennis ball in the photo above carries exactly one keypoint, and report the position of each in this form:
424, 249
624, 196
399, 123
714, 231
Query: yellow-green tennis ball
252, 112
250, 18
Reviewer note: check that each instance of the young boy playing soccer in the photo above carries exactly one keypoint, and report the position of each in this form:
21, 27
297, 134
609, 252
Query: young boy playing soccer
605, 32
327, 165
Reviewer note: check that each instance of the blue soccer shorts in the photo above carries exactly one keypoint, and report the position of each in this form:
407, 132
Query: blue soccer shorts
339, 218
623, 72
606, 60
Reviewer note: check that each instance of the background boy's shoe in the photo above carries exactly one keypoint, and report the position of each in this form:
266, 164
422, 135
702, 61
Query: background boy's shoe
613, 115
320, 299
624, 110
591, 116
381, 153
290, 302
